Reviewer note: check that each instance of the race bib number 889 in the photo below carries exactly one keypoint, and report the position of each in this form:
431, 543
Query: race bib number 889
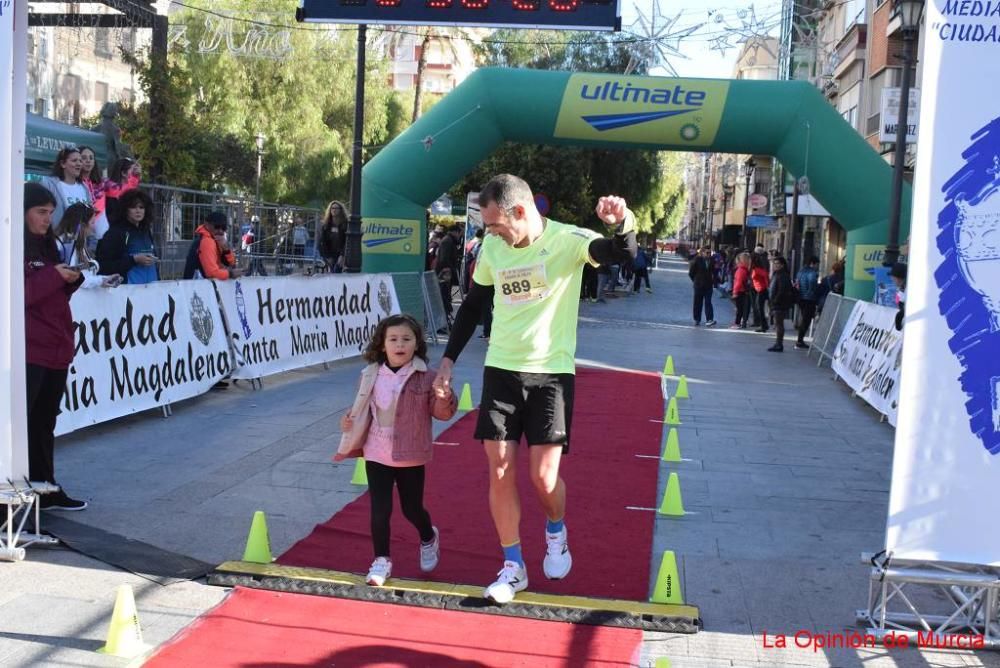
522, 284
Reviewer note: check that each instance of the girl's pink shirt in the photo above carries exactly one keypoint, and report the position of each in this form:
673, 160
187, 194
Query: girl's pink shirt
388, 386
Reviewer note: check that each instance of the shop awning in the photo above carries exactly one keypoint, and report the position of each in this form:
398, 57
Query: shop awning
808, 206
44, 138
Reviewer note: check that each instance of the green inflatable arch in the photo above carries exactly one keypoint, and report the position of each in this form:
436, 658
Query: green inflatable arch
789, 120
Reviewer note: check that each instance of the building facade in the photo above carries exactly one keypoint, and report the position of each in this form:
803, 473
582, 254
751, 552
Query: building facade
448, 61
74, 70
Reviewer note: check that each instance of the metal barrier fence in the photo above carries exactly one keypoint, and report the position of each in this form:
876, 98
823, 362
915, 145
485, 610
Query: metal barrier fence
420, 296
830, 325
286, 237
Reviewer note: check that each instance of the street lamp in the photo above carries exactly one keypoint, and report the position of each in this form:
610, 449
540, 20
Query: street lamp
909, 13
749, 167
260, 156
352, 244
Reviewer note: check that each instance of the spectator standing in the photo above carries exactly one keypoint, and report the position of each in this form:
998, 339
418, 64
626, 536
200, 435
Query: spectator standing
332, 236
124, 175
300, 237
433, 242
92, 176
210, 255
783, 298
700, 273
761, 282
589, 283
446, 265
898, 274
48, 329
829, 282
640, 269
64, 183
127, 248
73, 235
807, 283
741, 290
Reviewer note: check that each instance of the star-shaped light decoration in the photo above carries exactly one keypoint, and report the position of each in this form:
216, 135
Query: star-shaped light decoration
721, 44
658, 39
753, 31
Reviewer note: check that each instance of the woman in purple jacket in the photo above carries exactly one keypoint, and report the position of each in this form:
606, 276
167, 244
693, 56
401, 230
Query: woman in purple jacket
48, 328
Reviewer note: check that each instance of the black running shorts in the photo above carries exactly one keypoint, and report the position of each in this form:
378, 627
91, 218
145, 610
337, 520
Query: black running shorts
538, 406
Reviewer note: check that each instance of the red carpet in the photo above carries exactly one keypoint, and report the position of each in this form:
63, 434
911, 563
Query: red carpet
611, 545
258, 629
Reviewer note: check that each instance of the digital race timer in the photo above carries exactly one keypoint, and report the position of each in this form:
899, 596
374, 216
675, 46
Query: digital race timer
547, 14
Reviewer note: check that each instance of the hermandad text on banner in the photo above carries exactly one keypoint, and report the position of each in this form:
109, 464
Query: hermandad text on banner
868, 355
279, 325
139, 347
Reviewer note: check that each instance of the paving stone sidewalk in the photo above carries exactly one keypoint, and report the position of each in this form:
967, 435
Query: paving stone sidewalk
785, 481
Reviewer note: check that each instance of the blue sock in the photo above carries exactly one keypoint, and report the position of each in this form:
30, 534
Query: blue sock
554, 527
513, 553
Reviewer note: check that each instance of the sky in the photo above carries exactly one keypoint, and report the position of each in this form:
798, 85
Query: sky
715, 15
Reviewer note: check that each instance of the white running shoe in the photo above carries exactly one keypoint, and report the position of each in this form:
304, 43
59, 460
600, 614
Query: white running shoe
430, 553
558, 560
379, 572
512, 579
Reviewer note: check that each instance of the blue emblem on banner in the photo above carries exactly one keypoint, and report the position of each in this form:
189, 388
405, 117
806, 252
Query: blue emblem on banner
969, 279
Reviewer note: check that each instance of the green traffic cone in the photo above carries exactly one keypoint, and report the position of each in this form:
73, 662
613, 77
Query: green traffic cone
360, 476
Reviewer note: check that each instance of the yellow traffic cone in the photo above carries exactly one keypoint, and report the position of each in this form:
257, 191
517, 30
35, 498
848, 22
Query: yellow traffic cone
668, 585
668, 366
465, 400
258, 550
672, 504
672, 416
124, 634
360, 476
682, 388
672, 447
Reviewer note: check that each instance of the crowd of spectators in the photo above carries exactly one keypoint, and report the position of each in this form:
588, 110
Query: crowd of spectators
762, 289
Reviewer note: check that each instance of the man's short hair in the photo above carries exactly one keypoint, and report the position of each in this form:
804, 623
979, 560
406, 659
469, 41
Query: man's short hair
218, 220
507, 191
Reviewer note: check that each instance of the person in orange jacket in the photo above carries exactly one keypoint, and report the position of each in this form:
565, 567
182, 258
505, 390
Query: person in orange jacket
210, 255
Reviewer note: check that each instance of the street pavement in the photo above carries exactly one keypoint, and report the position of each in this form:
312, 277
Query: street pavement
785, 481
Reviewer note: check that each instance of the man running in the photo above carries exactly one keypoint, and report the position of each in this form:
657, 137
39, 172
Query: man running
530, 268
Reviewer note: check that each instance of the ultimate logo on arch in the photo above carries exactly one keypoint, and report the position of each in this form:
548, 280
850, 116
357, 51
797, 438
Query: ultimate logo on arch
641, 110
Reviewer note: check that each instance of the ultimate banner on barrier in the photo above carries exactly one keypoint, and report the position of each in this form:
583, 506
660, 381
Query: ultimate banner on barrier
282, 324
867, 357
946, 463
142, 346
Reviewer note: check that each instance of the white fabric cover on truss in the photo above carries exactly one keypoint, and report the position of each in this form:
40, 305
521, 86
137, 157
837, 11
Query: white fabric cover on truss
945, 480
13, 84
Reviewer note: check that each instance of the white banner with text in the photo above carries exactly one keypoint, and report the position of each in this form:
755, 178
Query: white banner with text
279, 324
868, 354
142, 346
946, 460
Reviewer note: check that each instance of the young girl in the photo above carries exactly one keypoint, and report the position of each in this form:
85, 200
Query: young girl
390, 422
72, 235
